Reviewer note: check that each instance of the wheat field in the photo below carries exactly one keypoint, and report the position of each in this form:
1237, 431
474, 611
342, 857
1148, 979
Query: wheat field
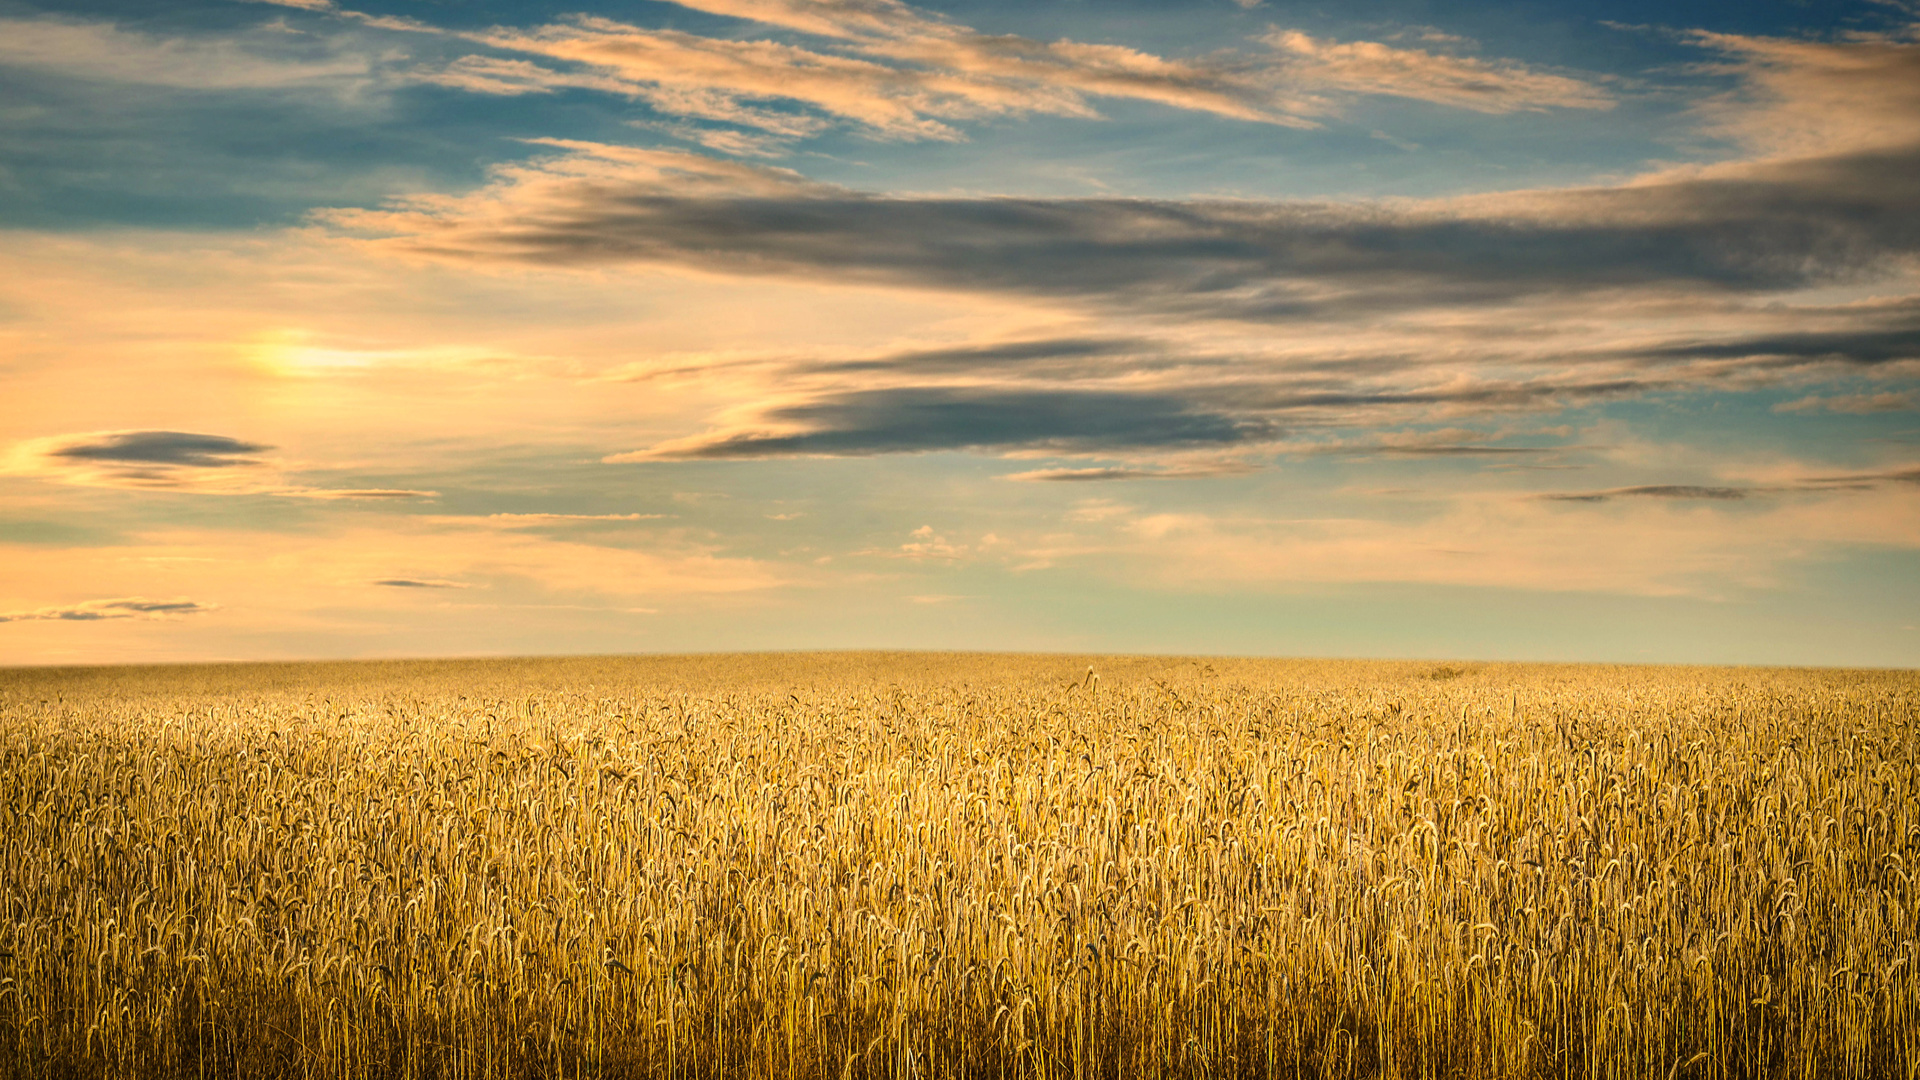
841, 866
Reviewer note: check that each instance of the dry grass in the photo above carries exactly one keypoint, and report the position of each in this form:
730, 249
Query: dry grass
869, 865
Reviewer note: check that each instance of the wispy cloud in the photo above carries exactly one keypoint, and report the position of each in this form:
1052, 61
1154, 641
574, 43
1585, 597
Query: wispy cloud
330, 7
105, 53
927, 544
132, 607
1653, 491
1653, 545
329, 570
1795, 484
513, 520
899, 72
1442, 443
1856, 404
1909, 474
1111, 472
352, 493
1370, 67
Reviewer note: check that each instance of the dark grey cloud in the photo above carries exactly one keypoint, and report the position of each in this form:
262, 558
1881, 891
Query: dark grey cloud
939, 418
1865, 346
415, 583
132, 607
1657, 491
1762, 228
174, 449
180, 461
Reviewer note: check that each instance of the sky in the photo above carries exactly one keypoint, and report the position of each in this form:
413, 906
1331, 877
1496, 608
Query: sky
1482, 329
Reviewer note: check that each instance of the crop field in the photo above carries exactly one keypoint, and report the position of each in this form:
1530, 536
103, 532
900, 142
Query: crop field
840, 866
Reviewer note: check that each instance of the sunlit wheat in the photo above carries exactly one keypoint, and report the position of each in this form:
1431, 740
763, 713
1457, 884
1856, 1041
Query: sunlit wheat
864, 866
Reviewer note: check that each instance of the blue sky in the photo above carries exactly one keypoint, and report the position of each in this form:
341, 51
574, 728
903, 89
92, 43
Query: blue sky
1525, 330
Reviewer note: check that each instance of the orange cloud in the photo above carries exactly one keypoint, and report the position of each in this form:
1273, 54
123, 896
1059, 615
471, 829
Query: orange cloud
1369, 67
1801, 98
907, 74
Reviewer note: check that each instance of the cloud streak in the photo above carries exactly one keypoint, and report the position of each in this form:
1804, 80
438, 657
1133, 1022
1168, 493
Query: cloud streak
1859, 481
1108, 472
920, 419
1854, 404
132, 607
1654, 491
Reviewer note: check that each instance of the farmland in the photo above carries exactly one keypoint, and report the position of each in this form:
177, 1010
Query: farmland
879, 865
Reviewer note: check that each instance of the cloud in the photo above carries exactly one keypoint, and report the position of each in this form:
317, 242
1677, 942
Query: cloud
354, 493
1650, 546
1759, 229
132, 607
518, 520
1653, 491
181, 461
161, 448
991, 67
1798, 98
1027, 355
1216, 323
322, 576
1909, 474
329, 7
902, 73
919, 419
1856, 404
1102, 473
104, 53
1404, 312
1369, 67
1445, 442
147, 459
1791, 484
1865, 345
925, 544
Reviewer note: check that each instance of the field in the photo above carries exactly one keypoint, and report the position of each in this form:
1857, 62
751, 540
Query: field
863, 865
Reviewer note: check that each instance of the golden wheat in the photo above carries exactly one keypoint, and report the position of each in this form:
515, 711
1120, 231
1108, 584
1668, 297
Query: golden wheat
842, 866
